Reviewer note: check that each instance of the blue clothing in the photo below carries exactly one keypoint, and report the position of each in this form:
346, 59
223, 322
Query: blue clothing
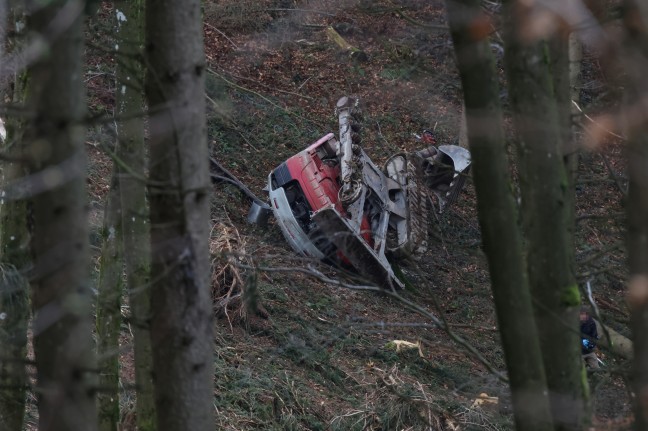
589, 335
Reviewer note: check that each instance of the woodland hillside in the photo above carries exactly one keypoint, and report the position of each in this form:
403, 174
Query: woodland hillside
317, 356
296, 346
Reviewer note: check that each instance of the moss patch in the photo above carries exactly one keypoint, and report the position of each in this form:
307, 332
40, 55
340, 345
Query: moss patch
570, 296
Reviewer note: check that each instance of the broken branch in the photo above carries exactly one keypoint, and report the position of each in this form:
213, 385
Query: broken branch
354, 52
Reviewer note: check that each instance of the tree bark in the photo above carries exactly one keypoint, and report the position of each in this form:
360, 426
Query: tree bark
181, 320
14, 261
498, 217
61, 294
14, 303
616, 343
545, 214
136, 238
110, 289
638, 256
561, 82
14, 312
635, 56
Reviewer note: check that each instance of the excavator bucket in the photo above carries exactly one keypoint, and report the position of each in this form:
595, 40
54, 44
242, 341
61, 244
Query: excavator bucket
357, 251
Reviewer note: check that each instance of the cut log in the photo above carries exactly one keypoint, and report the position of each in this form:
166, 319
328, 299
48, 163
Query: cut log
354, 52
616, 342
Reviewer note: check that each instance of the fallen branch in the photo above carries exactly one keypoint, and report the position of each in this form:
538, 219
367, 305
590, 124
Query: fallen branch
614, 341
256, 82
320, 12
223, 174
354, 52
598, 124
439, 323
247, 90
384, 325
601, 216
222, 34
610, 338
600, 253
614, 176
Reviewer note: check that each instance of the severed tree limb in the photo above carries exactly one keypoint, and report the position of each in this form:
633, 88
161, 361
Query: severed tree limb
618, 245
615, 176
219, 173
611, 339
614, 341
384, 325
616, 215
355, 53
439, 323
255, 93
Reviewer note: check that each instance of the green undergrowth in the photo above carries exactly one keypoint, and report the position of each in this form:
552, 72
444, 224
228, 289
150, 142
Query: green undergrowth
263, 129
318, 363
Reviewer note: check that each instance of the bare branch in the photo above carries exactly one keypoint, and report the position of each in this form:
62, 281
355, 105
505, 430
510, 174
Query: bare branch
439, 323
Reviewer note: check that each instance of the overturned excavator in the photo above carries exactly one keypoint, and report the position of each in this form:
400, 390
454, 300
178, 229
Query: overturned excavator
333, 203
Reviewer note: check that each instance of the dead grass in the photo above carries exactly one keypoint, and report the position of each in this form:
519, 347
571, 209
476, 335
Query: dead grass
228, 283
242, 16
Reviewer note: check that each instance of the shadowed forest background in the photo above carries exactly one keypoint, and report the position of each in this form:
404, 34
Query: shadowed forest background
134, 294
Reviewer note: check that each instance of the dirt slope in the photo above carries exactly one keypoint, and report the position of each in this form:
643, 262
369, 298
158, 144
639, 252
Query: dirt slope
319, 357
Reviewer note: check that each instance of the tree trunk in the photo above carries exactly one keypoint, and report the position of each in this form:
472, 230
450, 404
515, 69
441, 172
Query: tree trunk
635, 56
545, 214
638, 255
14, 312
130, 132
498, 217
13, 338
110, 289
181, 320
563, 81
61, 294
4, 21
14, 303
560, 70
14, 260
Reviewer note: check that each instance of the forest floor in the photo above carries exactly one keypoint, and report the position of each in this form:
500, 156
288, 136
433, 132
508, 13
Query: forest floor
294, 353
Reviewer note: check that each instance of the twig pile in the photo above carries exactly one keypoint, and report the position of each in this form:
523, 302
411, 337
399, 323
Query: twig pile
396, 401
228, 279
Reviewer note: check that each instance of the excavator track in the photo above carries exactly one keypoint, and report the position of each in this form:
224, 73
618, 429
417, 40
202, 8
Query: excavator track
417, 201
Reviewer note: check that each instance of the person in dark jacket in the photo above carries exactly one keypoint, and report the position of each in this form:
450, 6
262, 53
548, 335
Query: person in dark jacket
589, 335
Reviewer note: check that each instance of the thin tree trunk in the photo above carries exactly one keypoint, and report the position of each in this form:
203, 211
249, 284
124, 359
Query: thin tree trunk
545, 214
181, 323
4, 21
14, 260
563, 81
61, 294
13, 338
130, 132
638, 255
498, 218
635, 57
559, 68
14, 293
110, 289
572, 142
14, 305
